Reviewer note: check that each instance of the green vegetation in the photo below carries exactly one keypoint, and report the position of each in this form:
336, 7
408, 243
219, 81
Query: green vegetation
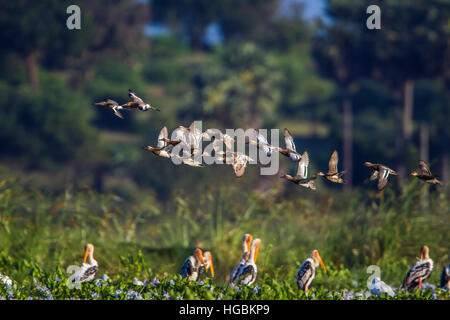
42, 234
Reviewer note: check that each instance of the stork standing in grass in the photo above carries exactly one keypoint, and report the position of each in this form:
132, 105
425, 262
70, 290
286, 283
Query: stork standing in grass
307, 271
246, 242
191, 266
248, 271
445, 277
420, 271
89, 268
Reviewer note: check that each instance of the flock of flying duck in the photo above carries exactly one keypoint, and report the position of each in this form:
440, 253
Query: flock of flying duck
191, 137
245, 272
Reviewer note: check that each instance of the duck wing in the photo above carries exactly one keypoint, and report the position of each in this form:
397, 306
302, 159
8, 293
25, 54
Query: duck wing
302, 171
134, 97
424, 168
383, 178
332, 164
163, 134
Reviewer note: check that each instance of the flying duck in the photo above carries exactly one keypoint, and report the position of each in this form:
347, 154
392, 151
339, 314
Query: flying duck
301, 178
381, 172
113, 106
333, 174
425, 174
138, 103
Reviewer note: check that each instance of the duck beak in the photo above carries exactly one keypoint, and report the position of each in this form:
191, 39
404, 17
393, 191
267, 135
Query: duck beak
86, 254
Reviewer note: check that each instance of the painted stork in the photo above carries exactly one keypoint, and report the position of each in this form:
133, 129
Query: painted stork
420, 271
137, 102
89, 268
207, 258
445, 277
333, 174
246, 242
377, 287
248, 271
301, 178
381, 172
425, 174
307, 270
191, 266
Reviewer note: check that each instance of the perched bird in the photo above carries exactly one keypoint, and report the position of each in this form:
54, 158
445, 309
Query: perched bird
137, 103
420, 271
425, 174
162, 148
246, 242
248, 271
113, 106
333, 174
191, 265
302, 174
289, 150
307, 270
381, 172
445, 277
89, 268
377, 287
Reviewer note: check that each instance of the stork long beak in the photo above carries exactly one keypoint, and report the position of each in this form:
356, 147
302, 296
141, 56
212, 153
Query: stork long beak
321, 263
256, 252
212, 267
199, 256
86, 254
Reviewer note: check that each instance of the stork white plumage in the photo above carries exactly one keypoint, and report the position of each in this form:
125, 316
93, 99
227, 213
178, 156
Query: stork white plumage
195, 264
246, 242
377, 287
420, 271
307, 271
89, 268
248, 271
5, 280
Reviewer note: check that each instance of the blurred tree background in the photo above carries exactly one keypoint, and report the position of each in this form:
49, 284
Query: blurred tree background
374, 95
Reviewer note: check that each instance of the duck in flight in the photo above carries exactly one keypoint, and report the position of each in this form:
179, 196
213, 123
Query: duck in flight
137, 103
425, 174
381, 172
333, 174
113, 106
162, 148
301, 178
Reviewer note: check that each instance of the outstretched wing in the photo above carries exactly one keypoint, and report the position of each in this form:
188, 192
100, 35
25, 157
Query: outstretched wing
332, 164
302, 170
133, 96
288, 140
382, 178
424, 168
162, 134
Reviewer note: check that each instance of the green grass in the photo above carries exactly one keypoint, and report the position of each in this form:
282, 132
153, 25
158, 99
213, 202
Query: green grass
42, 233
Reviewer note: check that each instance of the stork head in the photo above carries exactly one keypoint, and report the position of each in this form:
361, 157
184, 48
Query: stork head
198, 254
316, 257
88, 251
424, 252
209, 263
